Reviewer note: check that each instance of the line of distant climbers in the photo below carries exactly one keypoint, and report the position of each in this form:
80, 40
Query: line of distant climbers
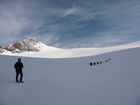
99, 62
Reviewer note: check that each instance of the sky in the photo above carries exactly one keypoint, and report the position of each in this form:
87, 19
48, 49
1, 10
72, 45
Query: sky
70, 23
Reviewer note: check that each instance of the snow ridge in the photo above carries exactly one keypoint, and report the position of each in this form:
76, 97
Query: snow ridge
31, 47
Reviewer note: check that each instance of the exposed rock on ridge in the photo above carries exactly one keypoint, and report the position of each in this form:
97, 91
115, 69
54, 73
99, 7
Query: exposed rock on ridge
29, 44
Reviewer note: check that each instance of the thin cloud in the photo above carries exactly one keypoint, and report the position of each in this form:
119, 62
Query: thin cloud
80, 20
50, 38
104, 39
47, 38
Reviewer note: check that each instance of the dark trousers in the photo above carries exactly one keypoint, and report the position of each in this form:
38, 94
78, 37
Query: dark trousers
19, 72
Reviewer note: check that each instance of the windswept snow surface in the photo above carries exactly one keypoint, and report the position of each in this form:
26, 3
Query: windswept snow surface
52, 52
71, 81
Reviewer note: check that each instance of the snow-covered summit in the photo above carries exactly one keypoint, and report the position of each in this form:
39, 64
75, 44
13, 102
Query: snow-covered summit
29, 44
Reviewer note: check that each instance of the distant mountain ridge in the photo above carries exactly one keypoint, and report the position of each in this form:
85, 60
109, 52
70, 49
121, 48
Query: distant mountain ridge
31, 47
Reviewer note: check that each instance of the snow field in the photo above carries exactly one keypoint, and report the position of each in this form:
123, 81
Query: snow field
72, 81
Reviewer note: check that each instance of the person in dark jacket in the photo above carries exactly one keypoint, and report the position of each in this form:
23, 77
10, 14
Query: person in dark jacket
18, 67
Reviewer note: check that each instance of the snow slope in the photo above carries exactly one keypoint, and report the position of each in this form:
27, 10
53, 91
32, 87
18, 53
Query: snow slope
44, 51
71, 81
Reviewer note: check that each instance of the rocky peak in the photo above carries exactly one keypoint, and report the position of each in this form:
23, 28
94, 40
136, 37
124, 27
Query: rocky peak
1, 49
29, 44
30, 40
